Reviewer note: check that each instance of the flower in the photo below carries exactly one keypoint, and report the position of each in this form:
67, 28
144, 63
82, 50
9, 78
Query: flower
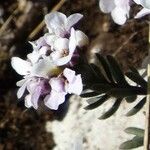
119, 9
44, 68
53, 91
68, 82
63, 49
74, 83
146, 8
58, 24
45, 76
40, 49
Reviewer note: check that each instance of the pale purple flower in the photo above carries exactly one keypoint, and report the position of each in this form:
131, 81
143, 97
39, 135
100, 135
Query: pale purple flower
119, 9
57, 94
68, 82
146, 8
60, 25
44, 76
36, 87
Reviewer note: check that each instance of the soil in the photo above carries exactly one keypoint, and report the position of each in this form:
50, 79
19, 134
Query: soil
25, 129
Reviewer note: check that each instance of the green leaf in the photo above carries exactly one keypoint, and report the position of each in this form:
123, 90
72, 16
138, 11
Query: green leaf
134, 143
137, 107
89, 94
116, 71
96, 70
135, 131
131, 99
101, 88
96, 104
86, 74
105, 66
126, 92
112, 110
137, 79
134, 70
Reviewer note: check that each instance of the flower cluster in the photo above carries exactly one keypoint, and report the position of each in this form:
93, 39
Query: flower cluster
47, 73
119, 9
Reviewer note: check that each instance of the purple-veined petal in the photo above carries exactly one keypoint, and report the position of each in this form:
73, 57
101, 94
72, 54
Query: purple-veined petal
21, 66
54, 99
72, 20
57, 84
35, 96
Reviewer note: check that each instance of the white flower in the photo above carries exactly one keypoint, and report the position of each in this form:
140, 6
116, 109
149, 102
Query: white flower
44, 76
58, 24
146, 8
44, 68
40, 49
119, 9
63, 48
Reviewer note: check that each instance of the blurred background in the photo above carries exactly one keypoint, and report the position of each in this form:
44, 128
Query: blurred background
22, 129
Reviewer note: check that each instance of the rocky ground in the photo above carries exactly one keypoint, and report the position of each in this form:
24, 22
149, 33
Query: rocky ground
18, 19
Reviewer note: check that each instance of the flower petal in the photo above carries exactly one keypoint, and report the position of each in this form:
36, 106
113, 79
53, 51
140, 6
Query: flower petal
50, 39
21, 90
21, 66
107, 5
142, 13
57, 84
119, 15
76, 86
61, 44
137, 1
144, 3
45, 68
69, 74
21, 82
55, 21
72, 41
81, 38
35, 96
62, 61
72, 20
28, 102
54, 99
